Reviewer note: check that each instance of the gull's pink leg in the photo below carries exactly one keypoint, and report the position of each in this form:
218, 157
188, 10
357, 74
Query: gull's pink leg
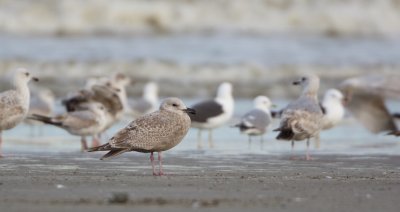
291, 152
1, 141
152, 163
308, 157
95, 141
160, 164
210, 139
83, 144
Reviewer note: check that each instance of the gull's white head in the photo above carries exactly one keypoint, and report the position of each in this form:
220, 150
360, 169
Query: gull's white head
224, 90
23, 76
262, 102
309, 83
333, 95
176, 105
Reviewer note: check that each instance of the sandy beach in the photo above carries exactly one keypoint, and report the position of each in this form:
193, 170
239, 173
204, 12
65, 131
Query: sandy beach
197, 181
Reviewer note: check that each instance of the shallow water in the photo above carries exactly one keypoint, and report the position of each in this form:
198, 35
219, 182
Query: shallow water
347, 138
269, 50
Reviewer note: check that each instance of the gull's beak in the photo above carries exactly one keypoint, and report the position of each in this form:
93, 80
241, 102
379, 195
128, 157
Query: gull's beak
189, 111
297, 82
274, 106
35, 79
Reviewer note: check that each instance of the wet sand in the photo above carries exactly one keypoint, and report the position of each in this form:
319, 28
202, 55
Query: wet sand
199, 181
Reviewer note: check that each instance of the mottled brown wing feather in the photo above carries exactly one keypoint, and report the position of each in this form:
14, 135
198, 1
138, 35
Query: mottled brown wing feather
146, 132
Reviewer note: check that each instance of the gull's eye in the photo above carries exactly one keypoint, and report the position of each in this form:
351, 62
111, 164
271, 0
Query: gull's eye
175, 105
303, 79
27, 74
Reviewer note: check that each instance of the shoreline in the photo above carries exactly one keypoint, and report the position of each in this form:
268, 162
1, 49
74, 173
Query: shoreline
61, 182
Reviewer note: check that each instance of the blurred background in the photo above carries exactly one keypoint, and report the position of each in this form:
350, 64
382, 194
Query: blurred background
189, 46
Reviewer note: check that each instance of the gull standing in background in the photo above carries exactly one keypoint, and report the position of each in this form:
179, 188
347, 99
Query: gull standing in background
365, 98
100, 91
256, 121
14, 104
155, 132
332, 107
149, 101
89, 122
301, 119
213, 113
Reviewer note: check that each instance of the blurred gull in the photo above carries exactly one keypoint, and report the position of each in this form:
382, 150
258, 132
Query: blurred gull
256, 121
302, 118
100, 91
333, 110
119, 82
213, 113
155, 132
149, 101
83, 123
365, 99
14, 104
42, 103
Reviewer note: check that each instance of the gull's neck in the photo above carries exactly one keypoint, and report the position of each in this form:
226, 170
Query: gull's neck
23, 90
311, 91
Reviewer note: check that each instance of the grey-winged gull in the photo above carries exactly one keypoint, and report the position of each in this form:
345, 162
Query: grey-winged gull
155, 132
365, 98
149, 101
89, 122
42, 103
302, 118
333, 110
256, 121
14, 104
213, 113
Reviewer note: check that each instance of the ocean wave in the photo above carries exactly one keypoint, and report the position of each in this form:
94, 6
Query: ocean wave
190, 80
332, 17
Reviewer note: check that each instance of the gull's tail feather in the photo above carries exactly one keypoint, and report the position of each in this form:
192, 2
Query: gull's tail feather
113, 153
44, 119
104, 147
395, 133
284, 133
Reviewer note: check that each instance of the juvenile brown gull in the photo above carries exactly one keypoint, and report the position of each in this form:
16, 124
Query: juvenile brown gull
365, 98
302, 118
83, 123
155, 132
100, 91
14, 104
